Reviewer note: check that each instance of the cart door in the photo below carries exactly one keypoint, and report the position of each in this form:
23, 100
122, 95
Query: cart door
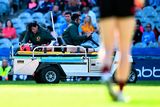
25, 66
94, 65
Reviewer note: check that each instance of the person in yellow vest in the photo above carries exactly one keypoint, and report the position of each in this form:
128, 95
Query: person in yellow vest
4, 70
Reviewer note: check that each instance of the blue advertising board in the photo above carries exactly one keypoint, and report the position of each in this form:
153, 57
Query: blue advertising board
147, 63
148, 68
4, 52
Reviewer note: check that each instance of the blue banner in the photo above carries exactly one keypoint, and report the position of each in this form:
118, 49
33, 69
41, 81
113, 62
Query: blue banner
148, 68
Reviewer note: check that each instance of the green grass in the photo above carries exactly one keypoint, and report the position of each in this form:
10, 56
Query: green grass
75, 94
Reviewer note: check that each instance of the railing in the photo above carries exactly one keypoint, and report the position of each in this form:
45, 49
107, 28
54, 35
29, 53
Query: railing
53, 47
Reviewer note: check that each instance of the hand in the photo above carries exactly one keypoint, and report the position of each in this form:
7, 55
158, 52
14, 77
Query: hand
88, 34
52, 43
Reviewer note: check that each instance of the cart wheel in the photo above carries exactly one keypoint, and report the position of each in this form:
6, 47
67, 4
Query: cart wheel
132, 76
49, 75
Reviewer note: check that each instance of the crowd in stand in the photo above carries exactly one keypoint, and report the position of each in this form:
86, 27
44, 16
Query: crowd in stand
14, 31
147, 30
40, 14
42, 11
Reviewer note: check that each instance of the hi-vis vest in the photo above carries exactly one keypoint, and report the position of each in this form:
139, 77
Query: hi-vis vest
5, 72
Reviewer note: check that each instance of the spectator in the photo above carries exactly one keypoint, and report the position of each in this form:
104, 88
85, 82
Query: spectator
87, 25
84, 3
62, 22
9, 31
45, 6
4, 70
32, 6
138, 32
87, 11
4, 42
67, 16
56, 13
93, 3
1, 28
40, 2
61, 4
88, 3
37, 35
13, 6
148, 35
156, 31
73, 6
71, 35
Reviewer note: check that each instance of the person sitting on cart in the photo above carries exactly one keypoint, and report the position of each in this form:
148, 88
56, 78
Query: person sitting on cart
38, 36
71, 35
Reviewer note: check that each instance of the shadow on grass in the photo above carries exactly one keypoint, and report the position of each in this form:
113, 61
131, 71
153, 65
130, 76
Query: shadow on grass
146, 83
32, 83
17, 82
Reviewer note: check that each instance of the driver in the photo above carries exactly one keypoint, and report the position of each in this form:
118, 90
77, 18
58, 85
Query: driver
71, 35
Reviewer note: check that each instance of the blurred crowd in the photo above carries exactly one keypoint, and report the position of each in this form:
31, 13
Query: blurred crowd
147, 29
53, 16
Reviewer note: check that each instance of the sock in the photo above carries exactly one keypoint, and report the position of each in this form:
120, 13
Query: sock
121, 85
105, 69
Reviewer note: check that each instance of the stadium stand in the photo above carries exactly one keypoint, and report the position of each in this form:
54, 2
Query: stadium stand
158, 10
139, 14
139, 45
25, 17
38, 17
4, 8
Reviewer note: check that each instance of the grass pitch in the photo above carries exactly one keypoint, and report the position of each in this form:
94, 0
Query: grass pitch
75, 94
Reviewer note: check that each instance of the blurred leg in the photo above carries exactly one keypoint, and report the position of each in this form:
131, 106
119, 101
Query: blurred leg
126, 27
107, 28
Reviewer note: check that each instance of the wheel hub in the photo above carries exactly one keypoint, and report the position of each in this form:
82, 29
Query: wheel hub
50, 76
132, 77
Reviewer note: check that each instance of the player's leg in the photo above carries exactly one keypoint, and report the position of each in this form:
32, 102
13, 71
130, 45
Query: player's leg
107, 27
126, 28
